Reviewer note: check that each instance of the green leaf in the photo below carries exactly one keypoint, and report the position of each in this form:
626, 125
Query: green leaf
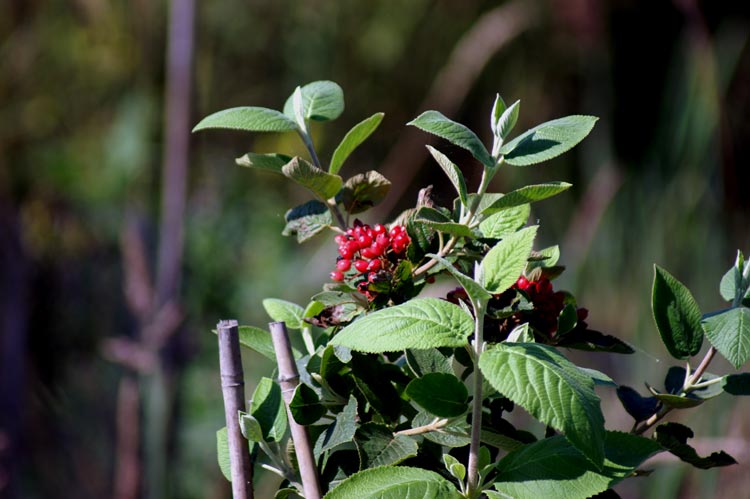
729, 332
284, 311
307, 220
440, 394
391, 482
547, 140
507, 120
222, 453
551, 257
527, 194
455, 133
455, 468
305, 405
364, 190
259, 340
440, 222
674, 436
552, 389
505, 222
567, 320
453, 172
477, 294
727, 285
676, 314
378, 446
268, 409
422, 362
340, 431
554, 468
271, 162
321, 101
250, 119
352, 140
639, 407
321, 183
250, 428
520, 334
506, 260
498, 108
419, 324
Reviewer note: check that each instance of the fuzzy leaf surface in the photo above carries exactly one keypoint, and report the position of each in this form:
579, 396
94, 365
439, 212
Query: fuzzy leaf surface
552, 389
554, 468
676, 314
506, 260
547, 140
268, 409
378, 446
394, 482
307, 220
729, 332
321, 183
419, 324
527, 194
455, 133
222, 453
353, 139
505, 222
321, 101
249, 119
440, 222
270, 162
364, 190
476, 292
341, 431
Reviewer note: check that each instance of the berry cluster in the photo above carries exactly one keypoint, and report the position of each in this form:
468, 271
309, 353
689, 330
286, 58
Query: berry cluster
547, 303
369, 254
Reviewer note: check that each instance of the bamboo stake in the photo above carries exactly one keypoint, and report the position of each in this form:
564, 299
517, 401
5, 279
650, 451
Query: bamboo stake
232, 387
289, 379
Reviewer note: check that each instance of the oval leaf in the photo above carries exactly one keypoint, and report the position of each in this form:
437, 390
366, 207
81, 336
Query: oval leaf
552, 389
321, 183
676, 314
452, 171
378, 446
364, 190
505, 222
455, 133
440, 394
321, 101
284, 311
729, 332
307, 220
271, 162
353, 139
305, 405
506, 260
267, 408
222, 453
554, 468
250, 119
419, 324
547, 140
477, 294
527, 194
394, 481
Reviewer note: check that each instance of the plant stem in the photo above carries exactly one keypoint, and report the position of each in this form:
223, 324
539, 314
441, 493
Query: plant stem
435, 425
289, 379
690, 383
476, 403
233, 389
308, 340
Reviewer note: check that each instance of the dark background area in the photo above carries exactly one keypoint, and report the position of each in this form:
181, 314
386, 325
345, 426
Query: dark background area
109, 377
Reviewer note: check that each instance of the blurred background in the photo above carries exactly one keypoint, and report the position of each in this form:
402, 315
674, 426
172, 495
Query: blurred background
123, 239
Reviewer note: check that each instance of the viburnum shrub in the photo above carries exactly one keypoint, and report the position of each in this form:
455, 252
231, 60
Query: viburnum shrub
409, 396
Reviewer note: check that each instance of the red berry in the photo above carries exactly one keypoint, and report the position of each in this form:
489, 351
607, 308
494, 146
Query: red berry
337, 276
395, 230
522, 283
430, 279
364, 240
350, 231
383, 241
368, 253
374, 265
340, 239
344, 264
379, 229
360, 265
346, 251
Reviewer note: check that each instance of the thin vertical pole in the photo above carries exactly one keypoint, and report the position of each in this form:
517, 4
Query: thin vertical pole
289, 379
233, 389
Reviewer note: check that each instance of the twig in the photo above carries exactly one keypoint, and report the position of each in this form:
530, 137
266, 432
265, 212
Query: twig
289, 379
232, 387
435, 425
472, 480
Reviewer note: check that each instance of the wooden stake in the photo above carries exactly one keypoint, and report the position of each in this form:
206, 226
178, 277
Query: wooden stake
233, 389
289, 379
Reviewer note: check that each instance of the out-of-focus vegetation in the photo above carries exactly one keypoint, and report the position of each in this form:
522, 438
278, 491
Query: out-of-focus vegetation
81, 119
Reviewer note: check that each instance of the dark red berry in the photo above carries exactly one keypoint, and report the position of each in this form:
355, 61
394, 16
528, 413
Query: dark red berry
344, 264
430, 279
337, 276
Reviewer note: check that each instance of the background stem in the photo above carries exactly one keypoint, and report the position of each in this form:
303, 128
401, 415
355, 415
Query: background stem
476, 404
